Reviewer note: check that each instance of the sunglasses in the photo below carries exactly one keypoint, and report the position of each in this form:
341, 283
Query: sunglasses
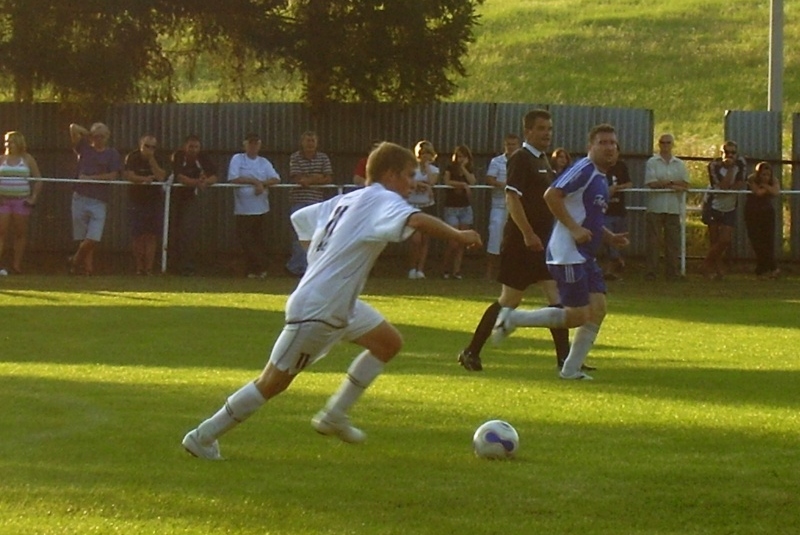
147, 146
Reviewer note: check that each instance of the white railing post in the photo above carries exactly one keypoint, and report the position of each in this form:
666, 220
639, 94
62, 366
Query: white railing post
165, 230
683, 232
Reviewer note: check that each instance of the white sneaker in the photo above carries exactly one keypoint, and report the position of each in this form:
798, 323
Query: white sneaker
3, 273
502, 327
412, 274
329, 424
192, 444
420, 274
580, 376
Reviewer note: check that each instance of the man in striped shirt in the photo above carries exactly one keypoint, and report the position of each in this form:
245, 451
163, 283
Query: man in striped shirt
307, 168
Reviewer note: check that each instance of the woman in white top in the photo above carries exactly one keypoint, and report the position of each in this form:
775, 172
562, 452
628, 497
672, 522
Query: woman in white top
421, 197
17, 196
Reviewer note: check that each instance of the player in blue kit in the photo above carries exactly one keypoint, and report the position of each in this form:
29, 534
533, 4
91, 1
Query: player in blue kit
578, 200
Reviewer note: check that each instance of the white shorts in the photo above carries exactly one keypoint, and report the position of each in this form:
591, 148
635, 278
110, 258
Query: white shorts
302, 344
497, 220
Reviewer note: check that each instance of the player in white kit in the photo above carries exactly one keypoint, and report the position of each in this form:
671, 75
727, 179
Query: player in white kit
346, 234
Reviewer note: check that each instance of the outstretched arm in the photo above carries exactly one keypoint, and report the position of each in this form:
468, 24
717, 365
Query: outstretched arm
439, 229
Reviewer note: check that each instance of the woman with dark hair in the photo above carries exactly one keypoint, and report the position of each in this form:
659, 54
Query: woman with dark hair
560, 160
759, 217
457, 206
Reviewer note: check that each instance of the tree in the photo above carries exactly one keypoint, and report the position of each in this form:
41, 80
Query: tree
84, 51
402, 51
107, 51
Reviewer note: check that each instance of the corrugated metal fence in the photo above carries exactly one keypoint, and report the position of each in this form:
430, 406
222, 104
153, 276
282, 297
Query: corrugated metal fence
345, 132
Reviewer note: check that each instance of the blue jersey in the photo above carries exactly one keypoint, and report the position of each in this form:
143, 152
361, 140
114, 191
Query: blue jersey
586, 200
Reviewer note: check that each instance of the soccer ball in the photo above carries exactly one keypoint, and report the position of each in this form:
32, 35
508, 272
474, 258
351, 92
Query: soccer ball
495, 439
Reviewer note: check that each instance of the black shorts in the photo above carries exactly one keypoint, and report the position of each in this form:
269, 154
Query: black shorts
520, 267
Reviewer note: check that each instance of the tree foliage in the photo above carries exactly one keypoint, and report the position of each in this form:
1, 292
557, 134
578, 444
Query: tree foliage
106, 51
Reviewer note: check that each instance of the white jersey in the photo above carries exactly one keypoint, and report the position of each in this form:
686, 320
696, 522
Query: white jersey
347, 235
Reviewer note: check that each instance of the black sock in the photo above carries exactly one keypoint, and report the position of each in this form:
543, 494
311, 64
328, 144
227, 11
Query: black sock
561, 341
484, 329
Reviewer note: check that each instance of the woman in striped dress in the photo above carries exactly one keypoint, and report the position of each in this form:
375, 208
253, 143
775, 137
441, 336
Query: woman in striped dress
17, 197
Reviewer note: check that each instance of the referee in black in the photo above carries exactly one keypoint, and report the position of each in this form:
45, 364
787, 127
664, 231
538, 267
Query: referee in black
525, 236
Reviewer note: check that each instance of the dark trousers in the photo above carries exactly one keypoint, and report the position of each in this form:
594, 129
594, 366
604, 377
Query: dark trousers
185, 222
250, 230
761, 232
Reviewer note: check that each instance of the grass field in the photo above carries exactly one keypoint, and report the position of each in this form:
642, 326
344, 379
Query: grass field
691, 425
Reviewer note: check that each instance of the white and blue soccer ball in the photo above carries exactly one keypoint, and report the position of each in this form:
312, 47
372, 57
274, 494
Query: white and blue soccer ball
495, 439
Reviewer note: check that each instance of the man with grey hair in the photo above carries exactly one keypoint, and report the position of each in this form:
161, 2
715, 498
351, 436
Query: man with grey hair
667, 178
97, 163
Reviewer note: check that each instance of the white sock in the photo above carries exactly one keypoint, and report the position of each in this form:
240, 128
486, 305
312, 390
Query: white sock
363, 370
238, 407
582, 342
553, 318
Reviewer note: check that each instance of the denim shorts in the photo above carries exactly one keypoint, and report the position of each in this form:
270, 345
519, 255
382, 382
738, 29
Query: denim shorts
460, 216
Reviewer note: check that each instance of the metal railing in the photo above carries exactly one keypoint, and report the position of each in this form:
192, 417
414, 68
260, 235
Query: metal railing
168, 185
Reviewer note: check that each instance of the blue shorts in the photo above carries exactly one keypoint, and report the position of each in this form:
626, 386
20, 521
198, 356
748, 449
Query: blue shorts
576, 281
458, 216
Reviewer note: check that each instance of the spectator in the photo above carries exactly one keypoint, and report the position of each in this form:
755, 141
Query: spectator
426, 176
307, 168
17, 196
727, 172
560, 160
145, 202
251, 203
667, 177
347, 233
96, 163
522, 254
578, 200
759, 217
360, 172
457, 206
195, 171
496, 178
619, 180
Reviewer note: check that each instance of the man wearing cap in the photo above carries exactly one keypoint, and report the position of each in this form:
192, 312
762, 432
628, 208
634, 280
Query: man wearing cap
251, 202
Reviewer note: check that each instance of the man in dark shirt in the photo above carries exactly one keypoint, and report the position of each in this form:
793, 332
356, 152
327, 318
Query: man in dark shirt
195, 171
145, 205
525, 236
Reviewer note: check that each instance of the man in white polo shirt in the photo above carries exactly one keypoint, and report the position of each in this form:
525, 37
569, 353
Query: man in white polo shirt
251, 202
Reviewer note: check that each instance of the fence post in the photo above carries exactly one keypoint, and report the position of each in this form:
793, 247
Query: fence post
165, 229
